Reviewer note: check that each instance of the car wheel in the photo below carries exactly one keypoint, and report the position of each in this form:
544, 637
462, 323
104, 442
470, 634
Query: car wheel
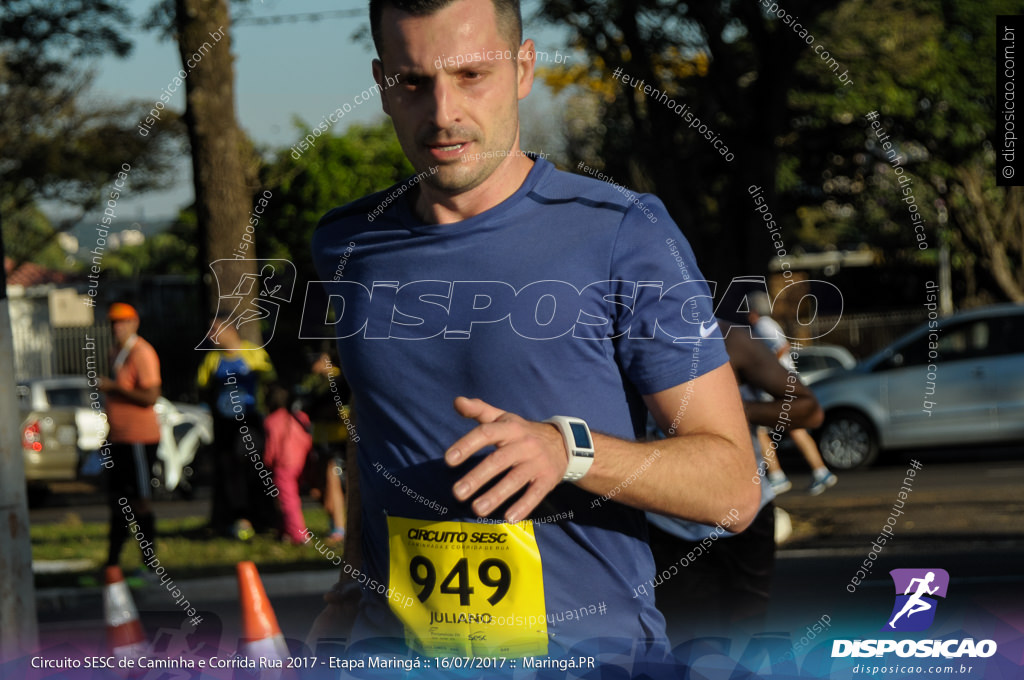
847, 440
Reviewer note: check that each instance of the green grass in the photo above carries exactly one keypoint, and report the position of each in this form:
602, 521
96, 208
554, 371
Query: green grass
184, 547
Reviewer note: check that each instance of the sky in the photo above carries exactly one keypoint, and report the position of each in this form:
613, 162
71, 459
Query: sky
282, 70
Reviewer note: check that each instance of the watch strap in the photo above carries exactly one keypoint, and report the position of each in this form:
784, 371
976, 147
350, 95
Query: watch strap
578, 443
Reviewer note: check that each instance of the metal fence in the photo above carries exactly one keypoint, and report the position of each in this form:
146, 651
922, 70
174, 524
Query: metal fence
862, 334
62, 351
172, 321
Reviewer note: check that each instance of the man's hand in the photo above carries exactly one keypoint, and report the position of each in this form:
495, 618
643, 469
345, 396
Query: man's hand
533, 455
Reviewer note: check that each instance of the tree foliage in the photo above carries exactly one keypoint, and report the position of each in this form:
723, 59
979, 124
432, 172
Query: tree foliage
798, 131
53, 147
729, 66
340, 168
917, 64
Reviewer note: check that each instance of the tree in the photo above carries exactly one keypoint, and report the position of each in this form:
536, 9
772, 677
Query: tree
173, 251
223, 166
53, 147
916, 64
339, 169
730, 67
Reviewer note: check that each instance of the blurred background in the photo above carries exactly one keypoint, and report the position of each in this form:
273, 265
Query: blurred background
79, 80
90, 86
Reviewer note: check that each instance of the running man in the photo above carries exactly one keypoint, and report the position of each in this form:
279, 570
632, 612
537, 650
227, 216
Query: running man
766, 329
915, 604
469, 396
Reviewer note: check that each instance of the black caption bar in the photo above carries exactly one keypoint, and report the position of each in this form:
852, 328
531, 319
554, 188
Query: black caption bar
1010, 154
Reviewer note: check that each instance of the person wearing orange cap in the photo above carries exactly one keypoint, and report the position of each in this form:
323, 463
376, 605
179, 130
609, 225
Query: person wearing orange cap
131, 391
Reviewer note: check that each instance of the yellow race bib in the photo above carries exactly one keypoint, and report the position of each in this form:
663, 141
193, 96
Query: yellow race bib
477, 589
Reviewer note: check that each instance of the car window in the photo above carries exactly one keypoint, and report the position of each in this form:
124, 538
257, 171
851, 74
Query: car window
966, 341
67, 396
1008, 335
913, 353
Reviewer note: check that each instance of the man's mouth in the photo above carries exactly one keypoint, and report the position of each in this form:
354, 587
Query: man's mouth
447, 150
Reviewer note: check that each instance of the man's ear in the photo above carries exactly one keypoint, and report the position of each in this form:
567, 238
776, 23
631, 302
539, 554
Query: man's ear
525, 66
378, 77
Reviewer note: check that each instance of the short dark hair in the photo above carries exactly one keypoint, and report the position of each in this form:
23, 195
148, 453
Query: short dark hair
278, 396
507, 13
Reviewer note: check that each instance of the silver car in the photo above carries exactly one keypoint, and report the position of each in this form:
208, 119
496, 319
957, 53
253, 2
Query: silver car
952, 381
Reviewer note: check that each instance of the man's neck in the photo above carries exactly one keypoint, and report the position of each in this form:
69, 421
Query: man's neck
436, 207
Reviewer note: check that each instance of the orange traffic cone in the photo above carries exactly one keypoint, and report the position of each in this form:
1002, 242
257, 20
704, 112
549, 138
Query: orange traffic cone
123, 627
262, 637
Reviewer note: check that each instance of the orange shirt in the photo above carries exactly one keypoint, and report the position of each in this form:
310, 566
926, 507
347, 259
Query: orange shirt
130, 422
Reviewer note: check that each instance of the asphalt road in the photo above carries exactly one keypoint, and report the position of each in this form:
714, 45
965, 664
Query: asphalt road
961, 495
966, 498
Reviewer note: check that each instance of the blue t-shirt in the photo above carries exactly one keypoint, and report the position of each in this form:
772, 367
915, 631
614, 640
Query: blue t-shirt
235, 384
564, 299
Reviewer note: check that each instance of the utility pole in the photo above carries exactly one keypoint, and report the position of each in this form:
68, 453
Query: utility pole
945, 267
18, 632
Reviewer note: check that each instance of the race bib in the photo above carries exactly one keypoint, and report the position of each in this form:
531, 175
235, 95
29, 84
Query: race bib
477, 589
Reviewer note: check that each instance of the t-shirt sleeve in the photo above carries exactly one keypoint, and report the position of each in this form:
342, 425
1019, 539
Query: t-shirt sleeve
259, 360
668, 336
206, 369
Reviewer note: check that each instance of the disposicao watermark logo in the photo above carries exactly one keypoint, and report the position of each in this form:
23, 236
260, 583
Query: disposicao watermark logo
914, 609
917, 593
253, 298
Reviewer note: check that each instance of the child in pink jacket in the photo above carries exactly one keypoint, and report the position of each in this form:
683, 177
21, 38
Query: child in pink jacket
288, 441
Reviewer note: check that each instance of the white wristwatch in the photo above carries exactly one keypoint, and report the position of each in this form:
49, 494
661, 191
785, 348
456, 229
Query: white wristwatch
578, 443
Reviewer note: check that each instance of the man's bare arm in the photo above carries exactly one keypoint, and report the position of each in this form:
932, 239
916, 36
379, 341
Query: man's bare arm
703, 471
757, 366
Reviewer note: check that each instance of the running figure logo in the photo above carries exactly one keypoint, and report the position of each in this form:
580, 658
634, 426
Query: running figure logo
916, 593
252, 297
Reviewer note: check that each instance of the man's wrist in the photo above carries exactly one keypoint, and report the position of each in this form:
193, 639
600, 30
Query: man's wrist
579, 446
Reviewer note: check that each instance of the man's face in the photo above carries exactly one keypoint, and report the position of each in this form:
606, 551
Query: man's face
124, 329
450, 117
226, 334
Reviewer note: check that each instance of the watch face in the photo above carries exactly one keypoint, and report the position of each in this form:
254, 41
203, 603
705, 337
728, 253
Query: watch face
580, 436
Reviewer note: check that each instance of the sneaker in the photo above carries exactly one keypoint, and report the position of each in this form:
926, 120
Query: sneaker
780, 486
818, 486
